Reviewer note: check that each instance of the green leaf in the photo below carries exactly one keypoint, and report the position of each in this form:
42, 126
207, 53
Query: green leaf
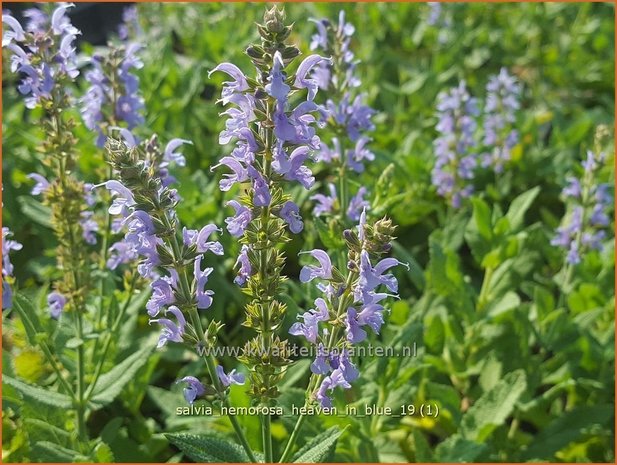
295, 373
519, 206
35, 210
74, 343
320, 449
208, 448
482, 218
327, 236
566, 429
458, 449
422, 448
42, 429
44, 396
110, 385
493, 407
27, 312
103, 454
46, 451
508, 302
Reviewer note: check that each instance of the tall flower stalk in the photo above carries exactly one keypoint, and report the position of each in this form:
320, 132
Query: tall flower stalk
45, 55
347, 119
352, 303
500, 135
274, 134
456, 158
171, 258
584, 227
112, 104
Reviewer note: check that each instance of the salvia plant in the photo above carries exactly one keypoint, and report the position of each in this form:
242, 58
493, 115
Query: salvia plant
347, 120
43, 53
470, 139
589, 203
325, 232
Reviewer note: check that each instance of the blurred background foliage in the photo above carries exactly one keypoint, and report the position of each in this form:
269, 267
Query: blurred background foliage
529, 378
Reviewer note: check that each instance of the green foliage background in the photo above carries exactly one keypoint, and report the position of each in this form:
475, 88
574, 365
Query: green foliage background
528, 377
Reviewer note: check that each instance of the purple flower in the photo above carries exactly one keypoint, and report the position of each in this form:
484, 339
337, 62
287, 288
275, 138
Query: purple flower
455, 161
239, 83
325, 204
435, 13
15, 31
204, 296
320, 39
360, 153
357, 204
240, 173
599, 216
309, 328
276, 86
41, 184
593, 240
324, 271
229, 379
200, 239
502, 102
353, 328
56, 303
573, 257
171, 331
239, 222
349, 370
37, 20
371, 315
294, 170
245, 269
261, 191
371, 278
320, 365
121, 252
139, 223
127, 136
327, 154
123, 197
583, 229
171, 155
7, 246
130, 23
60, 23
89, 227
290, 213
304, 82
162, 294
193, 388
330, 383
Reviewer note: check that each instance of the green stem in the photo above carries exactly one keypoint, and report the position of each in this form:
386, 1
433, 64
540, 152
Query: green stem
208, 358
102, 265
109, 338
57, 367
292, 439
81, 405
567, 277
266, 437
264, 300
315, 379
343, 188
484, 290
211, 366
78, 311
